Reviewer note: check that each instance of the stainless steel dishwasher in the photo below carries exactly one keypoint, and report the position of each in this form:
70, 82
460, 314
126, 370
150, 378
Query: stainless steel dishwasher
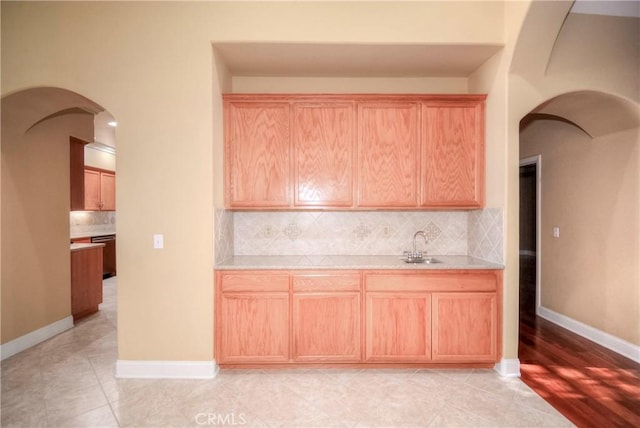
108, 254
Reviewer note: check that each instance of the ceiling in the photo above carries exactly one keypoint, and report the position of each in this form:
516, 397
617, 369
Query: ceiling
610, 7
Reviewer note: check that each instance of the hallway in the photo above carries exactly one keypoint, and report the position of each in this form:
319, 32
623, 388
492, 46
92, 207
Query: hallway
589, 384
68, 381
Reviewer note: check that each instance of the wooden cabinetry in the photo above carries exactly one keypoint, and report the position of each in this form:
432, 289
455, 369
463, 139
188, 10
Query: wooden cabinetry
99, 190
388, 147
398, 327
86, 281
363, 318
453, 154
76, 173
253, 318
465, 326
257, 154
326, 317
323, 146
354, 151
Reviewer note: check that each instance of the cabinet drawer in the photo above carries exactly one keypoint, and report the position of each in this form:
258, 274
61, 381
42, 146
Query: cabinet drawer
327, 282
254, 281
458, 281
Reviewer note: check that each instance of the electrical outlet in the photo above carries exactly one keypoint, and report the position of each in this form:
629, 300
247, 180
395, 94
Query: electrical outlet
267, 231
386, 231
556, 232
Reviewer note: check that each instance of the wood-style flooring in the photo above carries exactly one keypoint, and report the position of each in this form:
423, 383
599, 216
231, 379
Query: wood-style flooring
589, 384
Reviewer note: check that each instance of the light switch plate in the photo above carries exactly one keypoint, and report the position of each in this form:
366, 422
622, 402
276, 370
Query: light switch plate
158, 241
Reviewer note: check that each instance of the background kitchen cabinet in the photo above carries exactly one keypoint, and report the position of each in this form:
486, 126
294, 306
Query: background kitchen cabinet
323, 146
253, 318
465, 327
388, 154
326, 317
76, 173
257, 154
453, 154
86, 281
99, 190
398, 327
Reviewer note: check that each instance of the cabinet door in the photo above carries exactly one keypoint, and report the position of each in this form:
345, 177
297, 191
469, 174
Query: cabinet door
323, 154
254, 328
453, 155
86, 281
388, 149
257, 154
76, 173
326, 327
91, 190
398, 327
108, 191
465, 327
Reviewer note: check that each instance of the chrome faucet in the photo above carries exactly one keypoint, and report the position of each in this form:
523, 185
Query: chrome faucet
415, 235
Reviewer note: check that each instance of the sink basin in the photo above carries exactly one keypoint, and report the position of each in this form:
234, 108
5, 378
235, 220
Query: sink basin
427, 260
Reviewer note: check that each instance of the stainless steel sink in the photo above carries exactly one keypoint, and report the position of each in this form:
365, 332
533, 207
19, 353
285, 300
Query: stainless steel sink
416, 260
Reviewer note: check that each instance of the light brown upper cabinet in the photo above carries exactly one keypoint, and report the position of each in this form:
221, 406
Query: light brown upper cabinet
257, 154
388, 148
99, 190
453, 154
354, 151
323, 154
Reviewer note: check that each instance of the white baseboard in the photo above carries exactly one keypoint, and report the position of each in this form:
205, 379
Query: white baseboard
37, 336
508, 367
607, 340
166, 369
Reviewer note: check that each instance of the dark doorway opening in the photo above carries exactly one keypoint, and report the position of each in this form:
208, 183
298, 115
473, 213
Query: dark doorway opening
528, 241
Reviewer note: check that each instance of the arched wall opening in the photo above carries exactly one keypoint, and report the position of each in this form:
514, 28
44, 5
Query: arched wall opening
563, 58
589, 223
35, 205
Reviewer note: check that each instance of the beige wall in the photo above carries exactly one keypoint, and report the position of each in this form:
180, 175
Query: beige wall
590, 191
35, 222
599, 54
153, 72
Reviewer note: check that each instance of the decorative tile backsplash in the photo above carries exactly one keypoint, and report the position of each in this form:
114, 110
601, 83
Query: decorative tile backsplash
223, 229
87, 223
474, 233
348, 233
485, 234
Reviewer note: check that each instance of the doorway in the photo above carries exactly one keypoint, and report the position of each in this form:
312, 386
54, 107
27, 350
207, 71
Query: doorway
530, 257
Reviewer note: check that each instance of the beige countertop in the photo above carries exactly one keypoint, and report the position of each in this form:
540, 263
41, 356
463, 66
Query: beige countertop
79, 247
351, 262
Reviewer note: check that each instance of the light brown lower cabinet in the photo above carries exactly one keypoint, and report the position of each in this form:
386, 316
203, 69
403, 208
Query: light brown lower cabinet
358, 318
326, 317
398, 327
253, 318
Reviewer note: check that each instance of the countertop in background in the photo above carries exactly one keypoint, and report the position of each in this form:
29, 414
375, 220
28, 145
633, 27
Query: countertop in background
351, 262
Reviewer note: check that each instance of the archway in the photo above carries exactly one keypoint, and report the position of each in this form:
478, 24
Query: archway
35, 229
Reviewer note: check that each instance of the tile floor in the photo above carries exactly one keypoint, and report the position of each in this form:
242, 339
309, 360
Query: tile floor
68, 381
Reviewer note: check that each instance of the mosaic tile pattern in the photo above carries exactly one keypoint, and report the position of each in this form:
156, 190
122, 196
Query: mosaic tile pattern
223, 234
486, 234
87, 223
348, 233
